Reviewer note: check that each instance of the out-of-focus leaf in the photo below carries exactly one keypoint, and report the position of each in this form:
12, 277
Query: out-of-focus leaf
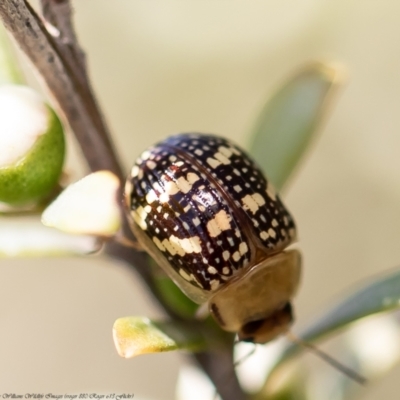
139, 335
293, 390
290, 119
171, 294
27, 238
9, 71
380, 295
174, 297
87, 207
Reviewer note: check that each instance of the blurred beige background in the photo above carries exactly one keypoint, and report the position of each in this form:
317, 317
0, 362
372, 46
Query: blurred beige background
162, 67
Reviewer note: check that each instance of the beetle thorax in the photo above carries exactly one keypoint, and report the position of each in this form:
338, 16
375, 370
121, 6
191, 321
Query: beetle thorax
257, 303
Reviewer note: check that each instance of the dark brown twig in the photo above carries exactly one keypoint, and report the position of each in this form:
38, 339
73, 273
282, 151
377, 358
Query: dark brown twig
51, 45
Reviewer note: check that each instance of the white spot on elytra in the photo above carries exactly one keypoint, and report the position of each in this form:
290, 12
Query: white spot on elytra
272, 232
225, 270
198, 152
264, 235
220, 223
188, 277
274, 223
192, 177
237, 188
156, 240
243, 248
220, 157
151, 196
213, 163
185, 184
134, 171
145, 155
236, 256
226, 255
170, 188
186, 225
253, 202
181, 246
214, 284
196, 221
157, 186
139, 216
225, 151
212, 270
151, 164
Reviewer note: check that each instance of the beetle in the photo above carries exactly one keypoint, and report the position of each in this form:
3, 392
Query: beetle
202, 208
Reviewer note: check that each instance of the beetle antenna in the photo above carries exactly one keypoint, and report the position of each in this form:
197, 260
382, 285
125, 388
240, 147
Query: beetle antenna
350, 373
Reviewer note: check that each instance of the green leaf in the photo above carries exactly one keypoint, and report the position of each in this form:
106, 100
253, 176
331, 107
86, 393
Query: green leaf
289, 120
380, 295
139, 335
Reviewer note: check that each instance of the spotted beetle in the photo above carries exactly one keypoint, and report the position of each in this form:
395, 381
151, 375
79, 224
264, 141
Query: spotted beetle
204, 211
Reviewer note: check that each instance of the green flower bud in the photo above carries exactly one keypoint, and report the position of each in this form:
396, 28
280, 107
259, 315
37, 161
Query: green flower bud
32, 146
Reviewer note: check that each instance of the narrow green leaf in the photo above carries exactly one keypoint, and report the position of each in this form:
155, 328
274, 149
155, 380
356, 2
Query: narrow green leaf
380, 295
290, 119
139, 335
